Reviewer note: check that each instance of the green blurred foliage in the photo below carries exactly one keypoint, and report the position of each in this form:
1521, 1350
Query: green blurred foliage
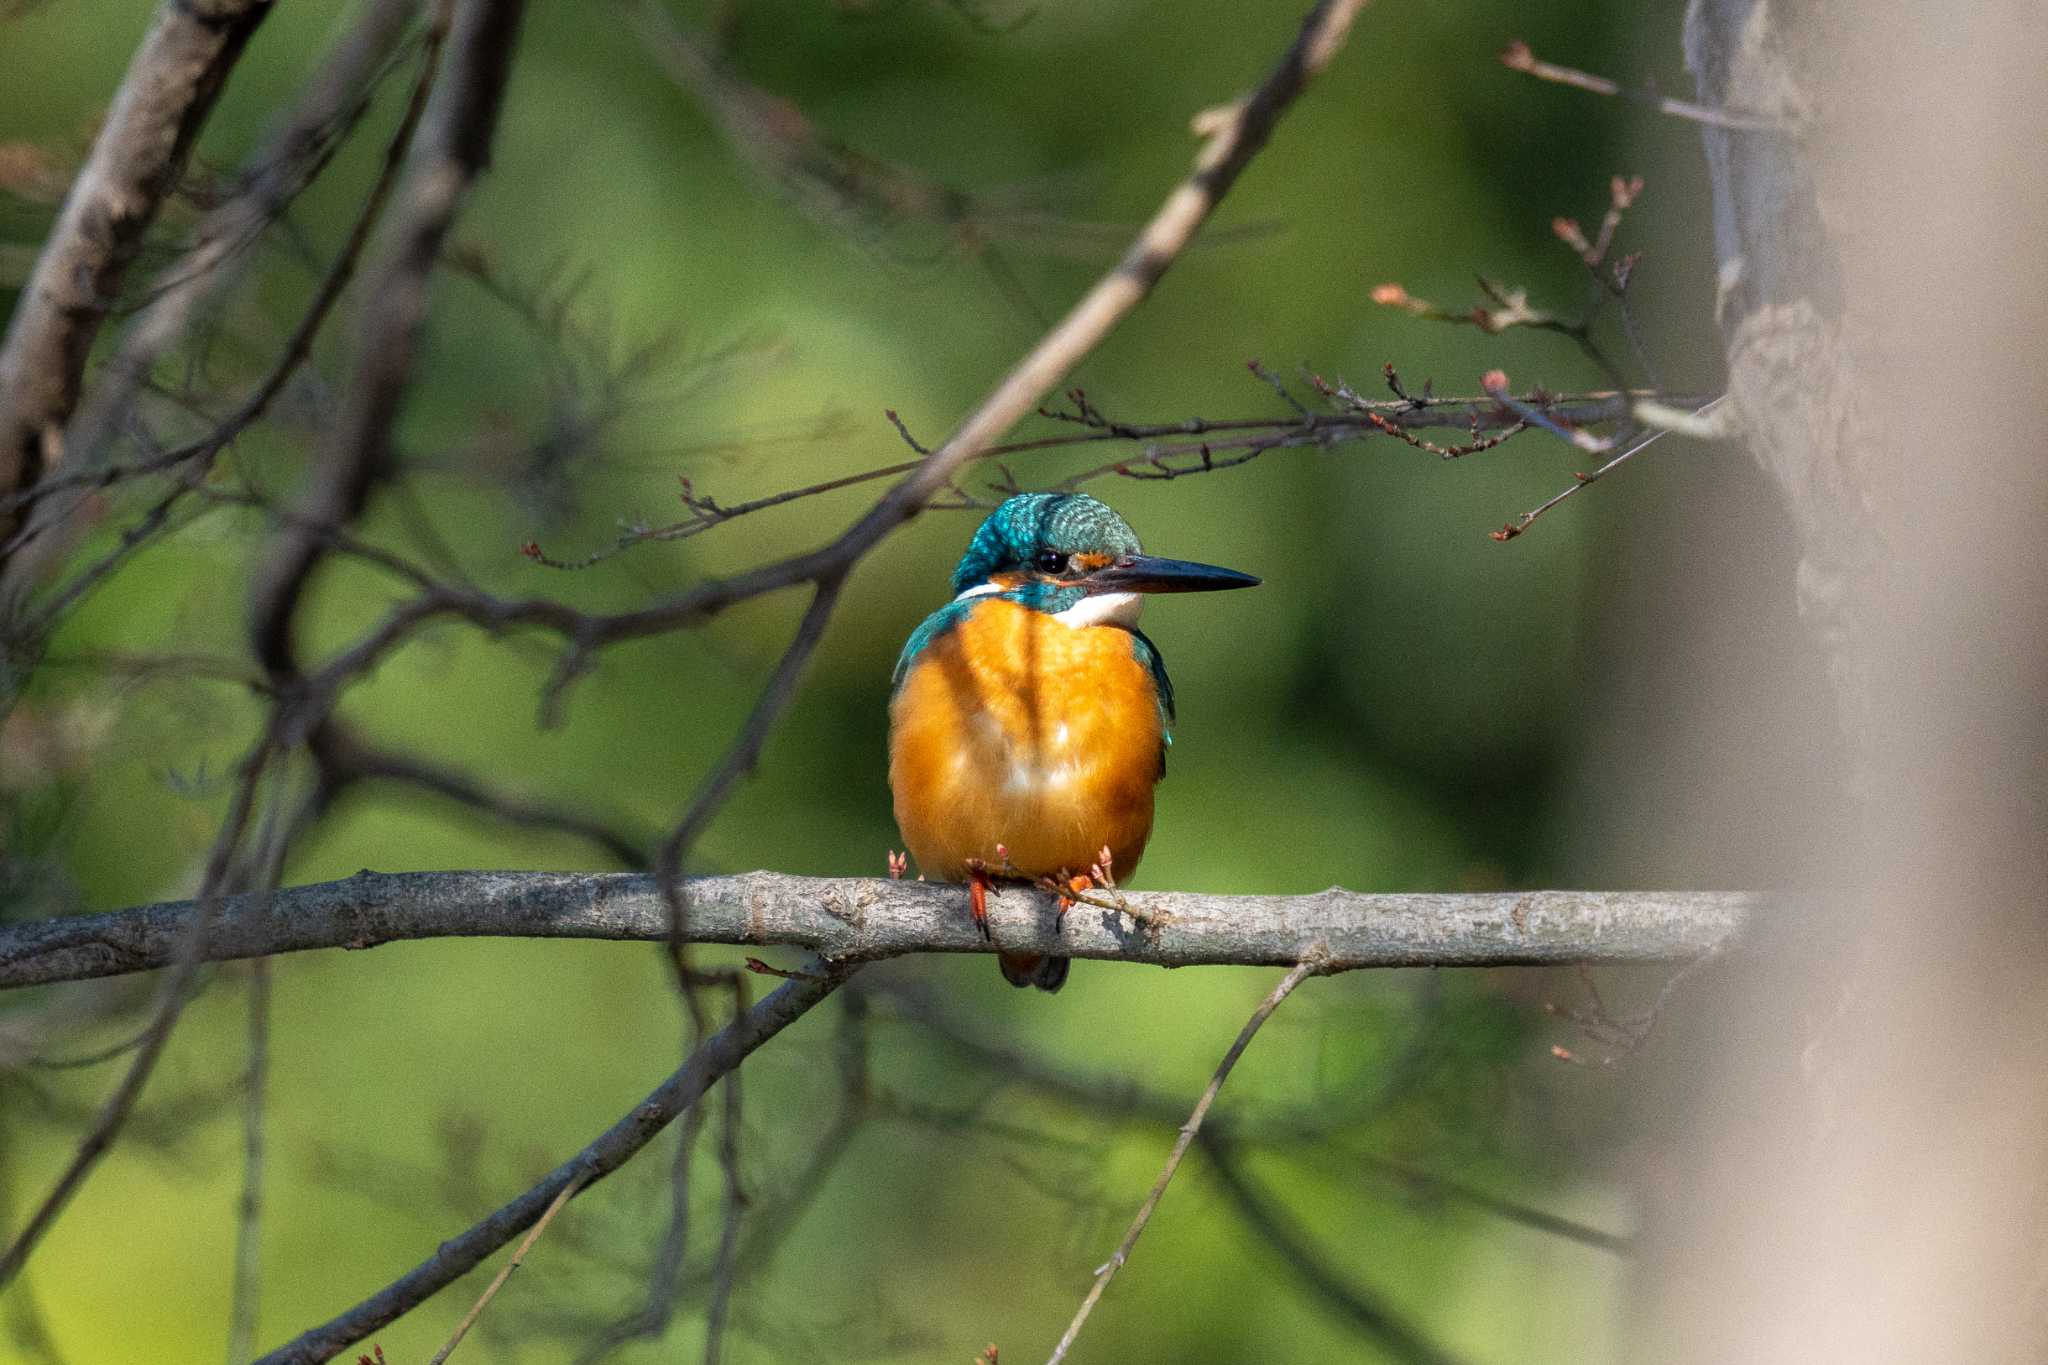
1394, 709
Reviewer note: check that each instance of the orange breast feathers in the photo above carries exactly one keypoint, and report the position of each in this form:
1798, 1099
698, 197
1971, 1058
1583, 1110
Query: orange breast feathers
1014, 728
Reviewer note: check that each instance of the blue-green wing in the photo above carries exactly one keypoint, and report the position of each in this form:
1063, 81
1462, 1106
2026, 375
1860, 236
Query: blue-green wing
1148, 654
930, 629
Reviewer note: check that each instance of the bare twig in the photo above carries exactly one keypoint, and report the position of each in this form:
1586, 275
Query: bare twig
348, 758
196, 457
247, 1296
454, 148
334, 101
1232, 136
1517, 57
1302, 971
1437, 1185
724, 1268
1523, 522
739, 760
1192, 445
483, 1301
27, 1327
664, 1280
1106, 1097
337, 94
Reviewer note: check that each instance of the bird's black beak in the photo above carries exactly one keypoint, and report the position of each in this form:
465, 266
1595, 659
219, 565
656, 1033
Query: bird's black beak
1143, 573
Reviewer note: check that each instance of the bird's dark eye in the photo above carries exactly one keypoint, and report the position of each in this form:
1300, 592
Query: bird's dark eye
1052, 561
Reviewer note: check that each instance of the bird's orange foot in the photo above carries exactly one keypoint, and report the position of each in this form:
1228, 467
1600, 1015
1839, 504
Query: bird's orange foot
899, 863
977, 895
1064, 890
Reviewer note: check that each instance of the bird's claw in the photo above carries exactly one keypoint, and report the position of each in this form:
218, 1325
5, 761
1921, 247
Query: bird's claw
977, 897
1064, 891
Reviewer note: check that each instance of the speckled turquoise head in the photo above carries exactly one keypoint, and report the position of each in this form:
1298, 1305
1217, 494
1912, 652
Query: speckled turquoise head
1041, 531
1069, 556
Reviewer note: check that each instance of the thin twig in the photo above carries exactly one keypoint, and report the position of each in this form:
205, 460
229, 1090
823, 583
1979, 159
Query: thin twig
483, 1301
1517, 57
724, 1271
247, 1296
1541, 1220
664, 1280
27, 1327
337, 94
739, 760
1203, 445
1302, 971
1523, 522
347, 757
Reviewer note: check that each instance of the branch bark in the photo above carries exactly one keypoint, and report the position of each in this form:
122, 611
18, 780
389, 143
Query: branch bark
862, 919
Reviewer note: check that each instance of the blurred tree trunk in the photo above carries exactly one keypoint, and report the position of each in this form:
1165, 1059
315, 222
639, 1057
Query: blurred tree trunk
1865, 1179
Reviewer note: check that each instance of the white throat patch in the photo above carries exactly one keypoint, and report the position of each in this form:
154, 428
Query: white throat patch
1104, 609
1097, 609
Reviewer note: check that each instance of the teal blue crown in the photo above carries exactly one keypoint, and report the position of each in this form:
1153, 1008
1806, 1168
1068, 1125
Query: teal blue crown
1031, 524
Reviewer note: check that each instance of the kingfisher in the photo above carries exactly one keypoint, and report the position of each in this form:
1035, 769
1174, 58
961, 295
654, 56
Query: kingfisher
1030, 716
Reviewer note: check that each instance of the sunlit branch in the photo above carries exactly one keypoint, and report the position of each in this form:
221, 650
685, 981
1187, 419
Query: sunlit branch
852, 919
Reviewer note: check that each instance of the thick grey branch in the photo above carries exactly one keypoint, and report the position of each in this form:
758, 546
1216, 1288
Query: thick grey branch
857, 919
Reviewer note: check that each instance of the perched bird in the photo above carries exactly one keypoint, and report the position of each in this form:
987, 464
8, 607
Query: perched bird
1030, 716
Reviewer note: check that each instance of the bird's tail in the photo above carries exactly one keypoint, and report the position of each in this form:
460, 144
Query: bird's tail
1031, 969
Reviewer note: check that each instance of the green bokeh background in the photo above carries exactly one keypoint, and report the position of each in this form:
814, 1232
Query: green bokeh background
1402, 706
